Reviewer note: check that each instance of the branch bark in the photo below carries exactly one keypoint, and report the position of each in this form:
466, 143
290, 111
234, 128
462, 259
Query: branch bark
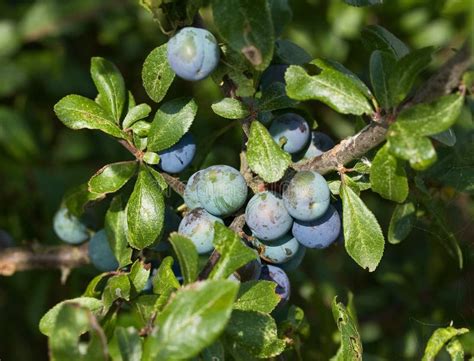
61, 257
442, 83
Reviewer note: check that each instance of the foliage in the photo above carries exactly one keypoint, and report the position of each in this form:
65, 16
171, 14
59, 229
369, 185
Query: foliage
167, 302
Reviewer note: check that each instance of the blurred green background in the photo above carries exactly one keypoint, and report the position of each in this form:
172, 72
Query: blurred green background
45, 50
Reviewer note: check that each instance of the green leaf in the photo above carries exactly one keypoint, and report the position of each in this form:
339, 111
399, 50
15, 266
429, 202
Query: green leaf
351, 345
151, 158
144, 307
407, 136
376, 37
165, 282
402, 222
388, 177
117, 287
356, 81
281, 15
112, 177
64, 344
78, 197
145, 210
139, 275
382, 65
430, 118
129, 343
405, 145
234, 66
171, 122
141, 128
363, 2
331, 86
256, 333
288, 52
246, 25
257, 296
47, 322
439, 338
264, 156
138, 112
157, 74
78, 112
230, 108
91, 290
111, 86
116, 229
233, 252
406, 71
363, 237
455, 350
197, 314
274, 97
187, 256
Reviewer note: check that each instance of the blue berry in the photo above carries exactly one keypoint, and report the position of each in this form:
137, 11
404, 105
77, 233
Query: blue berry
273, 74
291, 131
277, 275
267, 216
193, 53
295, 262
320, 143
307, 196
179, 156
69, 228
101, 254
191, 191
280, 250
319, 233
198, 225
222, 190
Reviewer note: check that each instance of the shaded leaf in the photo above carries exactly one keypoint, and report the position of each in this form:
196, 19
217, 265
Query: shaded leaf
376, 37
246, 25
402, 222
187, 256
382, 65
233, 252
129, 343
274, 97
116, 229
117, 287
